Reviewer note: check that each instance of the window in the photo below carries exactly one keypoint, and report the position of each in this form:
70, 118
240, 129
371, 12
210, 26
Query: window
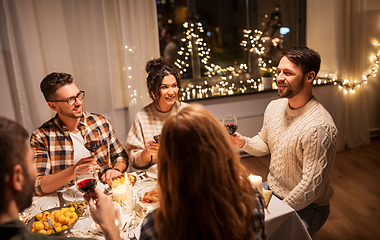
214, 45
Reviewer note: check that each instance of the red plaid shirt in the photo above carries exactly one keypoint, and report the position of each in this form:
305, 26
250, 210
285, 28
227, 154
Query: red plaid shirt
54, 149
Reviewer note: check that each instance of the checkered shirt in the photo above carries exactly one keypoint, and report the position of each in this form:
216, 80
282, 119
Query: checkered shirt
54, 149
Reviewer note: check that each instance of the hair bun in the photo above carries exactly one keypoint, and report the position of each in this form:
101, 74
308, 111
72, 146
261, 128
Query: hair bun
156, 64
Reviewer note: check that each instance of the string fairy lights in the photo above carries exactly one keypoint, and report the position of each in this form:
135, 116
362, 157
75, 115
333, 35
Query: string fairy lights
232, 83
347, 85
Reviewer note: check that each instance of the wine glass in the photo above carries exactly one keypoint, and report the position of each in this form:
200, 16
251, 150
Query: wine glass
230, 122
92, 141
86, 178
156, 138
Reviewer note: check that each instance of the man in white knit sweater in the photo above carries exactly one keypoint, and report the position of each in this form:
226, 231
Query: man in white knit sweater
301, 137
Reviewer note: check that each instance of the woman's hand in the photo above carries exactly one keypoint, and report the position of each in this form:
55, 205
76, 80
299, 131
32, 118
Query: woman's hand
152, 147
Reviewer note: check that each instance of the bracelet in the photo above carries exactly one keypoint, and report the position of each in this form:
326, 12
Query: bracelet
151, 159
116, 169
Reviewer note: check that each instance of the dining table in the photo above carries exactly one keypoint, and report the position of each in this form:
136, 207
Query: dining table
131, 214
281, 221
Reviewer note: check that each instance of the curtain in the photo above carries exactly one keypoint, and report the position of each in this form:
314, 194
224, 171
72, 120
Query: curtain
346, 40
352, 65
104, 44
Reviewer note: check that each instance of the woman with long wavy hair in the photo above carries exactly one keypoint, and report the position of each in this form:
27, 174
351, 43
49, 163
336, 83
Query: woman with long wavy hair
204, 191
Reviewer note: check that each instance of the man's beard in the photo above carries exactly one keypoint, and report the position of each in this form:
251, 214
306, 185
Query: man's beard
72, 114
25, 197
289, 92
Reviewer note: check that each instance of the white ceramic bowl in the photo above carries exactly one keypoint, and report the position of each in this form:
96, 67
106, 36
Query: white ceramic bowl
146, 205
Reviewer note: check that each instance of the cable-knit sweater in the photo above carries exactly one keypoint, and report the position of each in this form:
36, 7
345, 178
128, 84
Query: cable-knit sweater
302, 143
147, 123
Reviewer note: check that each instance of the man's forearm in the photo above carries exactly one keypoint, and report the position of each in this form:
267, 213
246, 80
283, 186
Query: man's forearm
256, 146
52, 182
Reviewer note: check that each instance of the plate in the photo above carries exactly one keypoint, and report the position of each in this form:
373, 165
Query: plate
145, 205
33, 219
72, 193
152, 171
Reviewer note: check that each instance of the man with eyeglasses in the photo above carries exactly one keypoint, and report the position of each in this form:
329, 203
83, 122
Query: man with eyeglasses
59, 143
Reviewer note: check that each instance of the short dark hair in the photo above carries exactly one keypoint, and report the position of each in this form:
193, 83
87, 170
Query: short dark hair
12, 148
307, 59
52, 82
157, 69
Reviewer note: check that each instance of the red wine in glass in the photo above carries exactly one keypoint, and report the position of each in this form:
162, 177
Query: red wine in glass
93, 146
231, 128
86, 185
86, 178
230, 122
92, 140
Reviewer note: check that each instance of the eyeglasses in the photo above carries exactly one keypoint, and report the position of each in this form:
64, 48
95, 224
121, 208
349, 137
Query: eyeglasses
72, 100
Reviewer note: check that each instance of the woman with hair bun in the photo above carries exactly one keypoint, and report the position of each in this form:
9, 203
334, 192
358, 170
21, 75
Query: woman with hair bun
164, 89
204, 191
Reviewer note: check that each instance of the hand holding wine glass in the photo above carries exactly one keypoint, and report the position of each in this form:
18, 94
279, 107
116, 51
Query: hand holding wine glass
230, 122
86, 178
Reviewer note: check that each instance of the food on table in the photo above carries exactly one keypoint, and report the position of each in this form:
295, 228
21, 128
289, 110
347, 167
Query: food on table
116, 181
62, 219
76, 204
150, 196
79, 207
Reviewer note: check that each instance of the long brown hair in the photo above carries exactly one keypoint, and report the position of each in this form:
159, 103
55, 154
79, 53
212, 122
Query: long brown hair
204, 191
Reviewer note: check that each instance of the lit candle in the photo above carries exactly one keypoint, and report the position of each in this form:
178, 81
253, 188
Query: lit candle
129, 190
256, 181
120, 194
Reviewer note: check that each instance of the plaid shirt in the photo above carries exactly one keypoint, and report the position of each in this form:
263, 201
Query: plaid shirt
54, 149
148, 231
